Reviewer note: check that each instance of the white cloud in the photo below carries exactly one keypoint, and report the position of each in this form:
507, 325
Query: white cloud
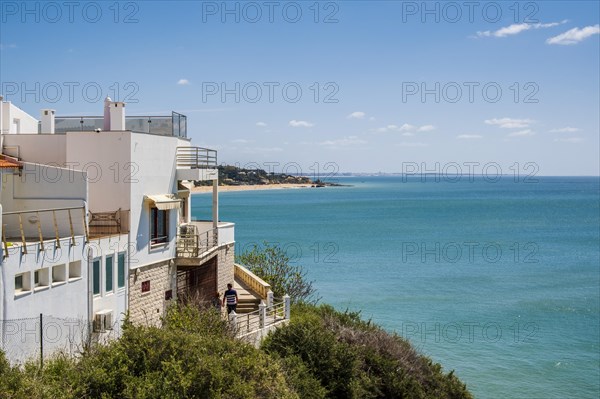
574, 35
406, 127
295, 123
567, 129
371, 118
509, 123
515, 29
572, 140
356, 115
261, 124
183, 82
411, 144
468, 136
343, 142
426, 128
522, 133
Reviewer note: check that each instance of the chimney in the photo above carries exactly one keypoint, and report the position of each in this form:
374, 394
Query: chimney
106, 125
48, 121
117, 116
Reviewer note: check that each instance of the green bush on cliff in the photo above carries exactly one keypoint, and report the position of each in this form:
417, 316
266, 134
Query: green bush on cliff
352, 358
321, 354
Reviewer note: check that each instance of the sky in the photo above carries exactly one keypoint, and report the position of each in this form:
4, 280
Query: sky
326, 87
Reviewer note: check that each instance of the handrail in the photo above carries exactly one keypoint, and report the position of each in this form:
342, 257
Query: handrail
264, 317
254, 282
192, 244
196, 157
41, 232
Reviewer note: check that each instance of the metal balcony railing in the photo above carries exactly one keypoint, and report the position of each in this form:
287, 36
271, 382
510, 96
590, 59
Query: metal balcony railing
196, 158
191, 243
37, 226
108, 223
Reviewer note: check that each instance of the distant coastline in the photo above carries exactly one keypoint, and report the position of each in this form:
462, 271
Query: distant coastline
232, 178
281, 186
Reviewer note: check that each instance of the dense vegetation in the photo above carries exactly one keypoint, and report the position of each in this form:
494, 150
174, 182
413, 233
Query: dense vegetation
322, 353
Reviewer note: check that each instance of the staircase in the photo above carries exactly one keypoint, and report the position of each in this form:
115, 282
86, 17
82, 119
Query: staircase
248, 300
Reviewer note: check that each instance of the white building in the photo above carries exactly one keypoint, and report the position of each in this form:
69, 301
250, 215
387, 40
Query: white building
95, 223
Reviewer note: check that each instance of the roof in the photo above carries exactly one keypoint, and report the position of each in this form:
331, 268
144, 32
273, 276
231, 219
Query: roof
9, 162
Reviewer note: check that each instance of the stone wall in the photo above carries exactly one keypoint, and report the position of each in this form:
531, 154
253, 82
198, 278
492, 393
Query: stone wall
147, 308
225, 262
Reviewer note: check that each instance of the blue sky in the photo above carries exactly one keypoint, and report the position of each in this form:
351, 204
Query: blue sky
365, 86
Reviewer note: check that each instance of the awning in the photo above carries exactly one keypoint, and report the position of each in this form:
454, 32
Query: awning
163, 201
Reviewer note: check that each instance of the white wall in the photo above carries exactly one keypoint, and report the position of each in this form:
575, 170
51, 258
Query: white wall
155, 157
17, 121
48, 149
105, 156
64, 304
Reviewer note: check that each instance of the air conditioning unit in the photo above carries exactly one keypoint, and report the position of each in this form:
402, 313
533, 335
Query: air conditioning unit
99, 321
108, 320
103, 321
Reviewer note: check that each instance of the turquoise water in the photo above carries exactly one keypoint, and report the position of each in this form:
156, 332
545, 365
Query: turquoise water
498, 281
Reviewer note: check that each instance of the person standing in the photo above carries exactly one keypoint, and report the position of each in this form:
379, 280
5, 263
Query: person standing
230, 298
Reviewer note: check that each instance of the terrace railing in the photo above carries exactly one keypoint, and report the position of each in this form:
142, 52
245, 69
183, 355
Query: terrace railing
255, 283
37, 226
174, 125
191, 243
196, 158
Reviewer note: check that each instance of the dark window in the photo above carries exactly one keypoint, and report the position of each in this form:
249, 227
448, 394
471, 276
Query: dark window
96, 276
159, 225
109, 273
146, 286
121, 270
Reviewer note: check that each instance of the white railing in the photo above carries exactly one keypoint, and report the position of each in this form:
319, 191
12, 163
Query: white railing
196, 158
191, 243
261, 319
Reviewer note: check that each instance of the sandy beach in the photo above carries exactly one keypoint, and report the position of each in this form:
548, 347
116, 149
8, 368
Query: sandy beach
208, 189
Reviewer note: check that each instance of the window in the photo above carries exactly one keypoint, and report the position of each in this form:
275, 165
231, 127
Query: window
108, 275
96, 276
22, 282
59, 274
121, 270
74, 270
40, 278
159, 225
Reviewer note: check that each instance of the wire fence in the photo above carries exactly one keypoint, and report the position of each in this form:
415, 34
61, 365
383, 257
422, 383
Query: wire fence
38, 338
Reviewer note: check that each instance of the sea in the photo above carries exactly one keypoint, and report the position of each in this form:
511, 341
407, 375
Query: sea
496, 279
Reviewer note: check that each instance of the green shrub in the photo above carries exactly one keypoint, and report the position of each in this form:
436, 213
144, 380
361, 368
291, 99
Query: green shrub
353, 358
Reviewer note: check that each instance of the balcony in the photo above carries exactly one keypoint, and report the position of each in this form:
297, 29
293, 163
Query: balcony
199, 238
196, 163
102, 224
174, 125
40, 226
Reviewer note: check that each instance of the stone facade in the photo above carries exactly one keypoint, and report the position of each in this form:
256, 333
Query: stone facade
149, 288
225, 270
147, 308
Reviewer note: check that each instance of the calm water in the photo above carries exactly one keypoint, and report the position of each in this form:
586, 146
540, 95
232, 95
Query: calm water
498, 281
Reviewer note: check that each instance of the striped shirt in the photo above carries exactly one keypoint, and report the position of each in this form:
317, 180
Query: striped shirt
230, 295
